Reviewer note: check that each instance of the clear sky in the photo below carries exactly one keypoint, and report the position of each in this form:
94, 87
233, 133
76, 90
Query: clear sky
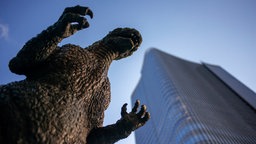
220, 32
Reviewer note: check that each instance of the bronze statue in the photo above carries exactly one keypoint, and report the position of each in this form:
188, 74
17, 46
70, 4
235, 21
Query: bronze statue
66, 90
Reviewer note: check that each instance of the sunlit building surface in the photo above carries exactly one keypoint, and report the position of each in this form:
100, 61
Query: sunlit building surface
193, 103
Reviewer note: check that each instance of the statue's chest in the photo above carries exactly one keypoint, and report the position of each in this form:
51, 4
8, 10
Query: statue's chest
78, 67
70, 58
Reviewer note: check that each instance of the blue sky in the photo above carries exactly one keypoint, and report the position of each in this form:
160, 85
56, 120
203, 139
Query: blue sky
221, 32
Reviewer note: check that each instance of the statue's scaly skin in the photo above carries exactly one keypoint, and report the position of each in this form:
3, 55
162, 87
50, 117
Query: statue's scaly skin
66, 90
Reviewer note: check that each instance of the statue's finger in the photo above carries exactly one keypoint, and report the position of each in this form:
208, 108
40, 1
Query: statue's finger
124, 110
142, 111
79, 10
136, 106
81, 24
145, 118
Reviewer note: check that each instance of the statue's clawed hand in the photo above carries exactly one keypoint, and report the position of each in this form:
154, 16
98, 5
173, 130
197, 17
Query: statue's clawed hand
134, 120
73, 20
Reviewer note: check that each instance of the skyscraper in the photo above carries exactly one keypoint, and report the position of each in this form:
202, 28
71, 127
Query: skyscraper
193, 103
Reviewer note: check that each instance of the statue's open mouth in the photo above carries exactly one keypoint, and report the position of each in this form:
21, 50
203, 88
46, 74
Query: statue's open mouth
123, 40
134, 37
129, 33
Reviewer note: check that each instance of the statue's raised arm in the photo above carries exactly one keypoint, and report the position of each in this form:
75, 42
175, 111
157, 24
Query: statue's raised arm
38, 49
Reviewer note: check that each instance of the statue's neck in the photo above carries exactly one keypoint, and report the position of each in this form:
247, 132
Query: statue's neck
103, 52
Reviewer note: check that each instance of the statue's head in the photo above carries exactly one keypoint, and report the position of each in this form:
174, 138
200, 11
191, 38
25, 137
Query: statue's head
123, 41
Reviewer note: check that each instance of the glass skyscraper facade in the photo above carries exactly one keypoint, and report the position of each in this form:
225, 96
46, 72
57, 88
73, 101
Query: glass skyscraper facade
193, 103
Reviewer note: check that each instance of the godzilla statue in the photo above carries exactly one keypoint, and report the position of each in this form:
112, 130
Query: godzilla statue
66, 90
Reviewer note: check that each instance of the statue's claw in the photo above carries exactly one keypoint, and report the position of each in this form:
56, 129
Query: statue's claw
73, 20
134, 119
79, 10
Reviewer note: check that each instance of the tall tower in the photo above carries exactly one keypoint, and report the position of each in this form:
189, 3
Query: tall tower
193, 103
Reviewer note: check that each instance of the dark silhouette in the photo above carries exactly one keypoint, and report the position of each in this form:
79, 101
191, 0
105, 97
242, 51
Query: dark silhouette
66, 90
